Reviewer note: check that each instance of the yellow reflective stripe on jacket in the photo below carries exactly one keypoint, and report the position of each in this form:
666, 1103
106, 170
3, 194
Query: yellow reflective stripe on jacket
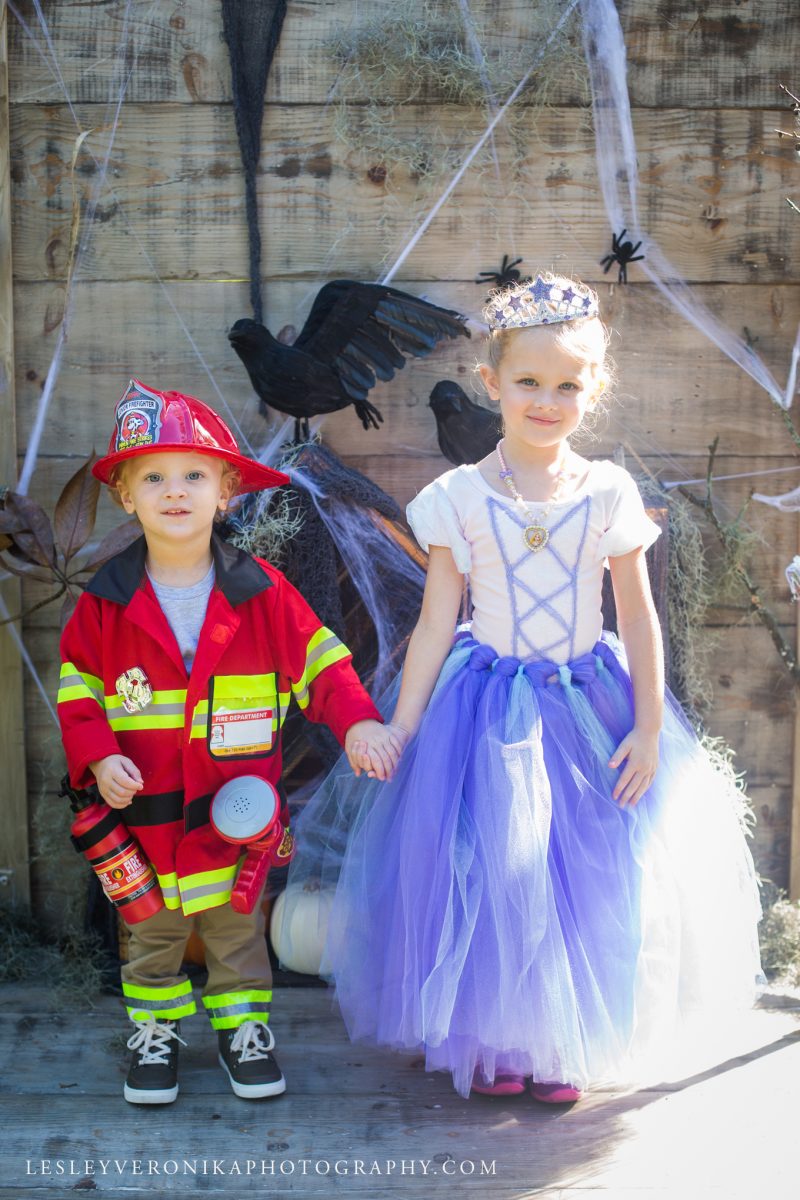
254, 688
324, 648
78, 685
165, 711
199, 720
232, 1009
169, 890
244, 691
168, 1003
207, 889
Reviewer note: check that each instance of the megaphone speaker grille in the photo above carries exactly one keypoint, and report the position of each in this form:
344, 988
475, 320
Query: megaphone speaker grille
244, 808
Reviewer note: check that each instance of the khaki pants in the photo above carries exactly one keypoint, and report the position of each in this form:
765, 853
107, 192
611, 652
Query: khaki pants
236, 958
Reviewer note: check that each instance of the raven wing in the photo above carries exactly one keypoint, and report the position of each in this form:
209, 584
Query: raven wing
365, 331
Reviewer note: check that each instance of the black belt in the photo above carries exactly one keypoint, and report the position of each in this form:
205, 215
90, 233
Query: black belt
196, 813
161, 809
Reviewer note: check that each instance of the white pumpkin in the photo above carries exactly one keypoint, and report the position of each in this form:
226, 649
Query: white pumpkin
299, 926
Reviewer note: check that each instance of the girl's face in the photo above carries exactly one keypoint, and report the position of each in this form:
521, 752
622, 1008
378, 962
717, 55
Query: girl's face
175, 495
543, 390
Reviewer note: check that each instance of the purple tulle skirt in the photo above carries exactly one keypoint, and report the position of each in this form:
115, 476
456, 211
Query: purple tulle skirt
494, 907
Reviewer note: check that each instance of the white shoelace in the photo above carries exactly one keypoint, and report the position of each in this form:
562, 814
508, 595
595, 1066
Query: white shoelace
152, 1040
247, 1041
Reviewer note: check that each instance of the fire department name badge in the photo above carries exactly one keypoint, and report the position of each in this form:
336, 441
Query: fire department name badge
138, 418
133, 688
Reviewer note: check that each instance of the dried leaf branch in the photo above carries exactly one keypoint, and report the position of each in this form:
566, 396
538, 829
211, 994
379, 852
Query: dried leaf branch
32, 548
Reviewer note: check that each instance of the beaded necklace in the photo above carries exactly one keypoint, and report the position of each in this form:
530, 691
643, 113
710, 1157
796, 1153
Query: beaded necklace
535, 535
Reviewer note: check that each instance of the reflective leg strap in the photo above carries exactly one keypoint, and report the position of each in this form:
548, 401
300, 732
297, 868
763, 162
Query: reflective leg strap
163, 1003
232, 1009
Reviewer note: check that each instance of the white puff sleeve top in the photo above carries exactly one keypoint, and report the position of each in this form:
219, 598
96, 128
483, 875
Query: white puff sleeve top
544, 605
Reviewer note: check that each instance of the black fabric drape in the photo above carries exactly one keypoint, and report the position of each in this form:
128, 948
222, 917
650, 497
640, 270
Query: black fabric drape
252, 30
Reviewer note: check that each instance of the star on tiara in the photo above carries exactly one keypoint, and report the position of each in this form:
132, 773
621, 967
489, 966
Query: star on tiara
540, 303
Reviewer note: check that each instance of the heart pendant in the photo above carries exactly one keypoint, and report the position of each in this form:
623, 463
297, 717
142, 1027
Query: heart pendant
535, 537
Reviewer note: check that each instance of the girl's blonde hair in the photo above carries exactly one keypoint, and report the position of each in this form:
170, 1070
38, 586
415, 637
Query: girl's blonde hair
586, 338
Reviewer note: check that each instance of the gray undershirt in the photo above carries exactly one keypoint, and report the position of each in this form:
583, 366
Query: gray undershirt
185, 609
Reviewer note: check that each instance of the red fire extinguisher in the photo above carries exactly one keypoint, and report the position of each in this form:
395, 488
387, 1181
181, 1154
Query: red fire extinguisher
114, 855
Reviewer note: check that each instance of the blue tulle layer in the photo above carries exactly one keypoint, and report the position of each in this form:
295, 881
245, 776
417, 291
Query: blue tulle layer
495, 906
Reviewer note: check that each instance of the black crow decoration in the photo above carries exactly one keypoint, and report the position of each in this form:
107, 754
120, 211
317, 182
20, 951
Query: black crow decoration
467, 431
355, 334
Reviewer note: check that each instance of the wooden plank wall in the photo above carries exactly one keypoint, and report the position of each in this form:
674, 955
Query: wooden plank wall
704, 89
14, 874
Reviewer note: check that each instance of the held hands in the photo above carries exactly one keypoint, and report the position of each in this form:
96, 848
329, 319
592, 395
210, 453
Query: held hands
641, 751
118, 779
375, 748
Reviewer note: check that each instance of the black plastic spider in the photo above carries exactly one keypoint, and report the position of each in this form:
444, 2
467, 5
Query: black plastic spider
622, 253
507, 276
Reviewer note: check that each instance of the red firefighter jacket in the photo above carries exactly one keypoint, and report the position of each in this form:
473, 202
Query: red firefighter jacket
125, 690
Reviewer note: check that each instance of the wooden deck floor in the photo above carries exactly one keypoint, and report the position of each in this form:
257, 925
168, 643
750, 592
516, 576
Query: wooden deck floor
729, 1130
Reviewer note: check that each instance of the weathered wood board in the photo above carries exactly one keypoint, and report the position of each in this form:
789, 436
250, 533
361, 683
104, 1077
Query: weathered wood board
680, 1133
714, 200
679, 54
675, 392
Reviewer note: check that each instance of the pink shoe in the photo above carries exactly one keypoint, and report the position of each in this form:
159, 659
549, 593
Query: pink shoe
555, 1093
502, 1085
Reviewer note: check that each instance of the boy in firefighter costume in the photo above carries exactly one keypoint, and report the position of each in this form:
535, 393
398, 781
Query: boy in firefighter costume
178, 665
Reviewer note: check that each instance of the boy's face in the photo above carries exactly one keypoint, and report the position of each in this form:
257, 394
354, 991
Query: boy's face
175, 496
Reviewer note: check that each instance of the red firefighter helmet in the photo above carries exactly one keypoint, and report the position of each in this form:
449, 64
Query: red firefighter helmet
149, 422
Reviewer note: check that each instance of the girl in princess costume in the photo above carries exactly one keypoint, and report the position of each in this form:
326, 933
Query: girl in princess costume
549, 873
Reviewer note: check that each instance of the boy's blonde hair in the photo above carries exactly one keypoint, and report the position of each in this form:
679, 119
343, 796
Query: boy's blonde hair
117, 475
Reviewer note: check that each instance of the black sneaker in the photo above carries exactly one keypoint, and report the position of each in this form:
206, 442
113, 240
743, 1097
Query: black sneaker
245, 1053
153, 1074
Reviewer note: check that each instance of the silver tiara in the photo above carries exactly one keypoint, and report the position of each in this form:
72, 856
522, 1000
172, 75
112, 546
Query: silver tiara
541, 303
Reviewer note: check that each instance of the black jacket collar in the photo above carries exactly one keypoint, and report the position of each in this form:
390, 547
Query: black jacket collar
236, 574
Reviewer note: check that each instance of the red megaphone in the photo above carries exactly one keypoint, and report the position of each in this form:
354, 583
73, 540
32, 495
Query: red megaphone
247, 812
